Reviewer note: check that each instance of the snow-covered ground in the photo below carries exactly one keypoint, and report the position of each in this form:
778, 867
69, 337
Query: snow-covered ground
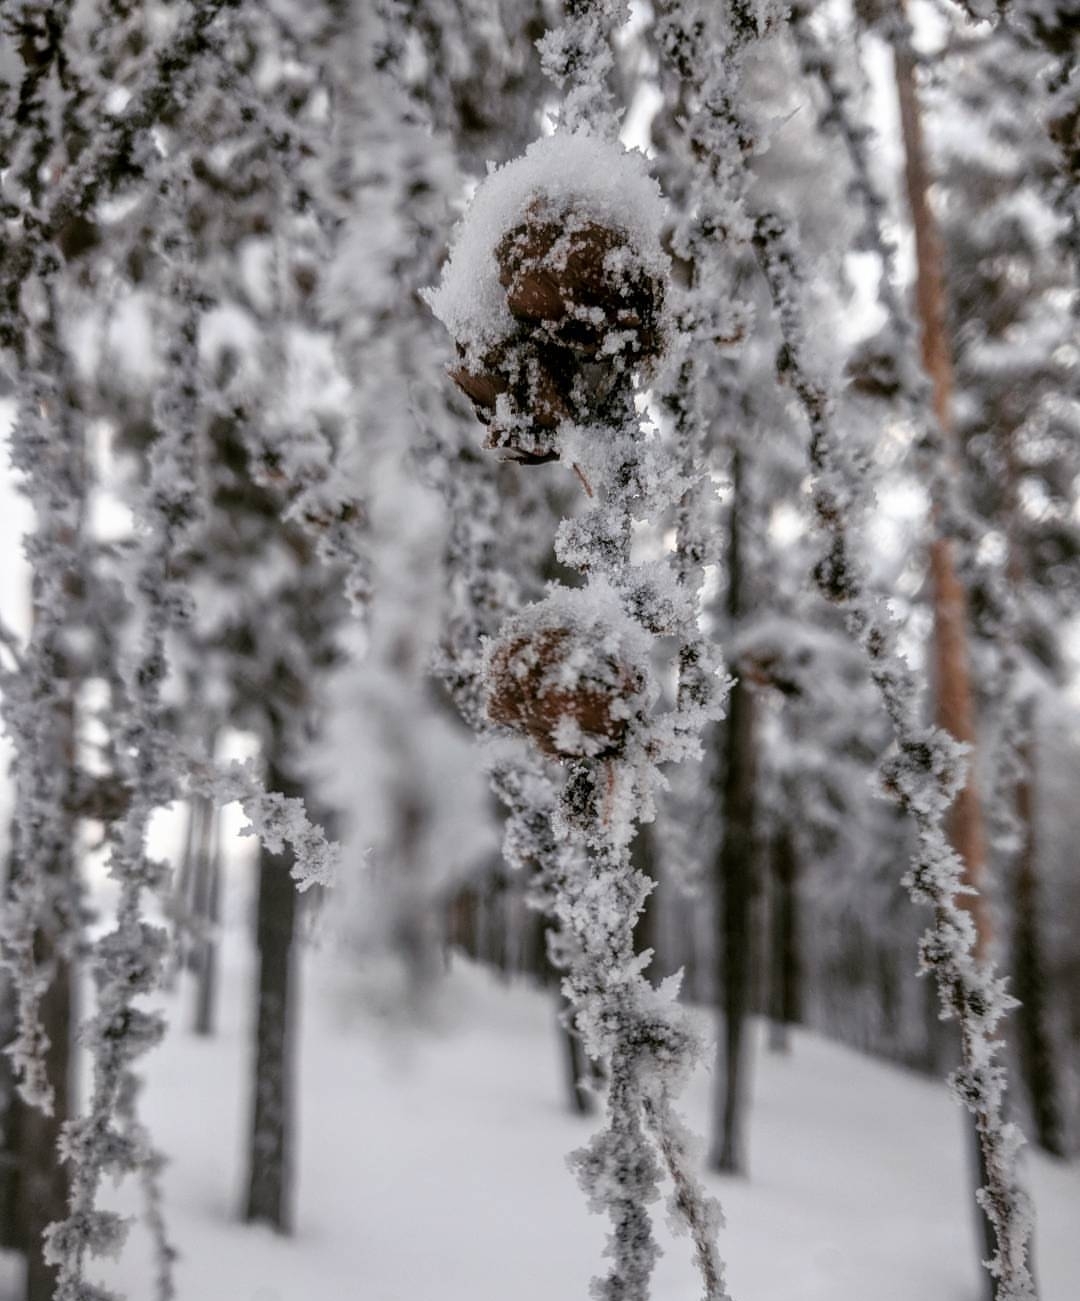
431, 1168
431, 1163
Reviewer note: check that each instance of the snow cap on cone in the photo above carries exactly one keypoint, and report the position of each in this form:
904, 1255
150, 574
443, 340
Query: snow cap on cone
554, 290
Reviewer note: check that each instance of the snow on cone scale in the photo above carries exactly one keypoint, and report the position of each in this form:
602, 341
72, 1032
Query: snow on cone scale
556, 297
554, 291
572, 672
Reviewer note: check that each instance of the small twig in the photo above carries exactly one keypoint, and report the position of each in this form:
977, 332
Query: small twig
581, 475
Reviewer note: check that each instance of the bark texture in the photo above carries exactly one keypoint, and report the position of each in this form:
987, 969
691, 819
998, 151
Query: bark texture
952, 673
271, 1145
1037, 1060
735, 880
785, 1008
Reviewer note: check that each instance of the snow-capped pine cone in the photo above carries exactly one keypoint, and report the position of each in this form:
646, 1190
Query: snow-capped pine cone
581, 285
573, 700
587, 310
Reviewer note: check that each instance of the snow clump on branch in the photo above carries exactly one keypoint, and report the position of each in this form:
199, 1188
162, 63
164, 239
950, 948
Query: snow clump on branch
572, 672
554, 289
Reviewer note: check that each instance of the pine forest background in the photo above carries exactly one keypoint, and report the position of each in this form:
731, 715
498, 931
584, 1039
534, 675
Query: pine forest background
540, 594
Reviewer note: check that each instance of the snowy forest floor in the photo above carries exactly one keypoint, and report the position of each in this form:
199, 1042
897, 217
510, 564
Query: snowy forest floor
431, 1166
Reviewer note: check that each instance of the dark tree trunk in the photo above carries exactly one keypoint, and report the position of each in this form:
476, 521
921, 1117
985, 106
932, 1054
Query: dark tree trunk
735, 884
643, 856
43, 1180
207, 910
785, 1007
462, 922
37, 1182
180, 901
9, 1161
270, 1152
735, 872
1037, 1062
580, 1071
33, 1180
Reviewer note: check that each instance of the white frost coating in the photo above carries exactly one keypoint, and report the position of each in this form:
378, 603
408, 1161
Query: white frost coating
596, 618
570, 171
595, 612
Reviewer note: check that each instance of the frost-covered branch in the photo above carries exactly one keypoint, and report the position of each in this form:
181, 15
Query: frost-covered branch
127, 961
275, 820
47, 448
927, 770
579, 58
555, 295
924, 776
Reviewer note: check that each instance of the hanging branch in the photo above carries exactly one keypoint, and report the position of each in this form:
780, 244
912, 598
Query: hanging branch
924, 777
927, 771
117, 155
579, 58
565, 245
899, 372
47, 448
47, 443
127, 962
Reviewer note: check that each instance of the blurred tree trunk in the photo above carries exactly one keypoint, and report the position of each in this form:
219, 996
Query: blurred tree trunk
207, 907
34, 1185
42, 1192
9, 1166
1038, 1067
271, 1136
734, 880
643, 857
580, 1073
785, 1008
1037, 1063
179, 901
955, 704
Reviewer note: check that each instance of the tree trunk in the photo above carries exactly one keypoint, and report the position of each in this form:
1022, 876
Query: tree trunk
181, 897
43, 1178
38, 1179
33, 1179
1037, 1063
955, 705
270, 1151
9, 1162
643, 857
785, 963
580, 1073
580, 1070
207, 910
734, 884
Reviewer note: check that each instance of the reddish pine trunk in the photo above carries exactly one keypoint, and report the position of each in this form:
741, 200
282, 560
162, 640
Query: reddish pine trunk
955, 703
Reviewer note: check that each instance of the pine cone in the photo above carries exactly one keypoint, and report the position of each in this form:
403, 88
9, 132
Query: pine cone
571, 699
587, 310
582, 283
